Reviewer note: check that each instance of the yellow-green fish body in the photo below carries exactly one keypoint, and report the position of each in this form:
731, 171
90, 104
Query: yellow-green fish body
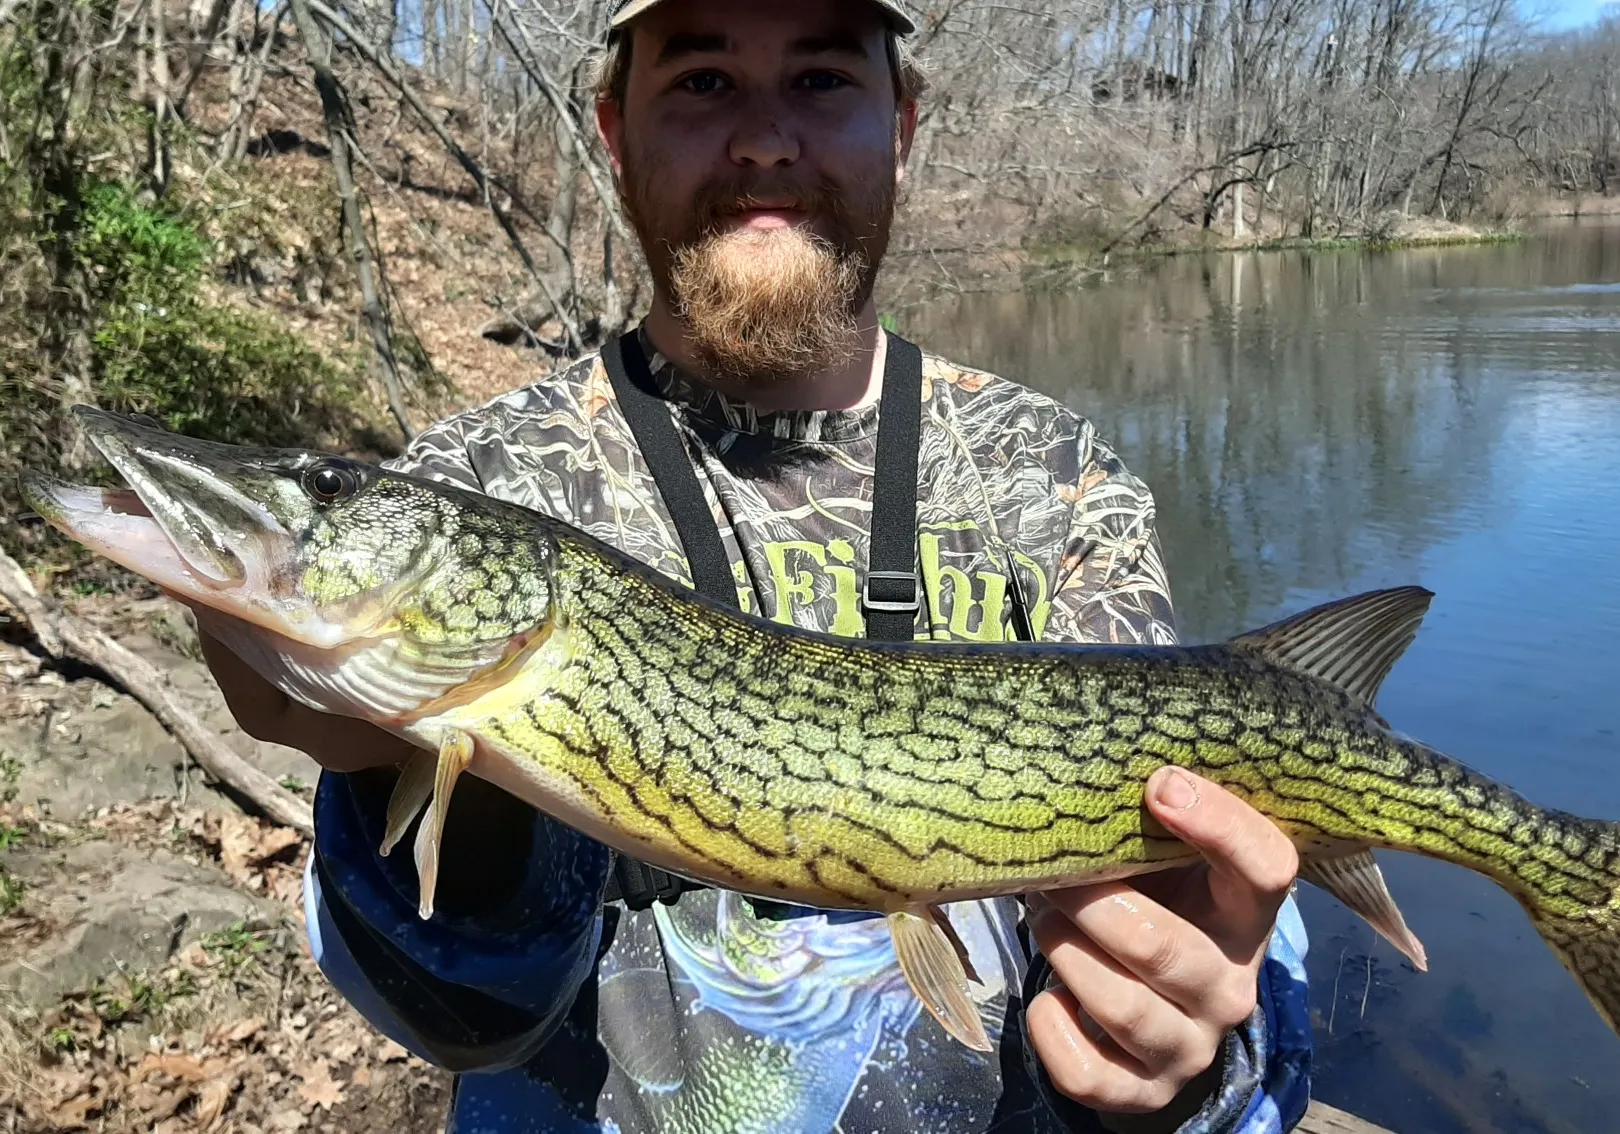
848, 773
825, 771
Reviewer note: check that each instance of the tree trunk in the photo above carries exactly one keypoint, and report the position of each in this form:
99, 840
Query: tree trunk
339, 134
242, 127
157, 137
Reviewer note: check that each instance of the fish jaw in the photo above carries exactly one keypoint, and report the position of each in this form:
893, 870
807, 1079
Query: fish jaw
352, 589
117, 524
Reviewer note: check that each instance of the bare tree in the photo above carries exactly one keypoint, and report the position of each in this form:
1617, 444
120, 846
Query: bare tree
340, 133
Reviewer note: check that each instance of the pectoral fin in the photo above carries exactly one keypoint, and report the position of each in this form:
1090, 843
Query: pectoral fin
935, 972
455, 753
411, 793
1349, 872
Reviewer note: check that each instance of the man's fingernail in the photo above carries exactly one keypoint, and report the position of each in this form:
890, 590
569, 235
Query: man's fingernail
1177, 791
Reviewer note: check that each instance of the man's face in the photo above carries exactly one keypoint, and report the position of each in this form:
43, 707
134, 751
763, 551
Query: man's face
759, 150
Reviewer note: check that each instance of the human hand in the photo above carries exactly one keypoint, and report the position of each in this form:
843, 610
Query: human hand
1156, 973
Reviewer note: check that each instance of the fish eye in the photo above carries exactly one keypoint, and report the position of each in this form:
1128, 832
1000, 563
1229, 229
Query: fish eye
329, 484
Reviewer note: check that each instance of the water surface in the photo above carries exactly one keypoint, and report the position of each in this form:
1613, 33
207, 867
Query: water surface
1315, 424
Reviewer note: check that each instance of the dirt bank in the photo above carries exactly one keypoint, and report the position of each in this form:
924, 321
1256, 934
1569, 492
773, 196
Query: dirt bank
153, 971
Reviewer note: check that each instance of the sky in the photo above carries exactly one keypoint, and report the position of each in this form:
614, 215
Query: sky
1561, 14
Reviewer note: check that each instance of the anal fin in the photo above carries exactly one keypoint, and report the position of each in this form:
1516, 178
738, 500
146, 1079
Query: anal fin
411, 793
455, 753
936, 974
1349, 872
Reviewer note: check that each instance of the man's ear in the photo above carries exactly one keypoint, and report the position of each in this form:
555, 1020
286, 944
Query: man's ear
610, 127
905, 131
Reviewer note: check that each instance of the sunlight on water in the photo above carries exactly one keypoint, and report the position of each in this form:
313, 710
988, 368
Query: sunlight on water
1317, 424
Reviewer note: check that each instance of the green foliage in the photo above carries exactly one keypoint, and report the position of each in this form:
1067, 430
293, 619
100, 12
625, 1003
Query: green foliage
109, 274
131, 998
161, 349
60, 1040
236, 948
157, 343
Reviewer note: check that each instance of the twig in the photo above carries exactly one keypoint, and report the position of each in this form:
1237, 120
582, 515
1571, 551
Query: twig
14, 585
530, 62
1333, 1013
73, 636
1366, 989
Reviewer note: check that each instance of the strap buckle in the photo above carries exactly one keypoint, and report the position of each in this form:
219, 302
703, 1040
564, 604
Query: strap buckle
891, 591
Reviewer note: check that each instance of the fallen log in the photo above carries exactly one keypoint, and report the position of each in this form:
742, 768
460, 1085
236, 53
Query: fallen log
61, 633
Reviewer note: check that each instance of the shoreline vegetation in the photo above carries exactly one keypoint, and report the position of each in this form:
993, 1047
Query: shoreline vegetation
1388, 234
1424, 234
1392, 234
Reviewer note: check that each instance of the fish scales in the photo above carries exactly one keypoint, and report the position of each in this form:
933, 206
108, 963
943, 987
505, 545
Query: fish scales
827, 771
910, 779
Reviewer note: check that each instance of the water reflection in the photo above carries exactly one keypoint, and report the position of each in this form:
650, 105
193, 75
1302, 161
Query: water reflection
1316, 424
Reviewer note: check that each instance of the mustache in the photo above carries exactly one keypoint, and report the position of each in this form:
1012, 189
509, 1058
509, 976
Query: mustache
716, 202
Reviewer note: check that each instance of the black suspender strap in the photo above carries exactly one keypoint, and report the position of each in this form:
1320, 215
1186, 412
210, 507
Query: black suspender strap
637, 884
666, 456
890, 595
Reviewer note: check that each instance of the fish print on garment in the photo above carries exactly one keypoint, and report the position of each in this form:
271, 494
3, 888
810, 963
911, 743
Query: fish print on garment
762, 1047
714, 1016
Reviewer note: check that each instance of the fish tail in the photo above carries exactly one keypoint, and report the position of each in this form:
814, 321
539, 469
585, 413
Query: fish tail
1588, 942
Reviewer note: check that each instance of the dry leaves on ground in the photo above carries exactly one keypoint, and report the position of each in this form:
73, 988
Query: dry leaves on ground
243, 1035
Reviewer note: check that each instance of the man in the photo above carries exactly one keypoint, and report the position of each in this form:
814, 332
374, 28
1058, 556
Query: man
759, 152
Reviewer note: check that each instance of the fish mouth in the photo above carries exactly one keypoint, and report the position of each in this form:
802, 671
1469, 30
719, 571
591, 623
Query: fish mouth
196, 517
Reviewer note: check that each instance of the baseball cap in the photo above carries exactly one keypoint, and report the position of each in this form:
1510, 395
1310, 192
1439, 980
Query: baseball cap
628, 10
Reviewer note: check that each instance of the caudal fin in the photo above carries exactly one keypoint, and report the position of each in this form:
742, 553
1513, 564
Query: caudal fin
1589, 946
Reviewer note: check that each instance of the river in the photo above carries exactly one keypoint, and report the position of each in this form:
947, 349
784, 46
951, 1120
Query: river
1315, 424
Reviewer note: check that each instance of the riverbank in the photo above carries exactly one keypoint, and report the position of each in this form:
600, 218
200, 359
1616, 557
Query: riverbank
917, 278
1393, 231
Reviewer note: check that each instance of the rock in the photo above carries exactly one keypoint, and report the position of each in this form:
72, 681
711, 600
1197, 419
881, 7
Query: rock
80, 758
80, 745
112, 908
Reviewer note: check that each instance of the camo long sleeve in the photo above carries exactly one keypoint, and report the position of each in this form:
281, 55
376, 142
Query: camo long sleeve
716, 1012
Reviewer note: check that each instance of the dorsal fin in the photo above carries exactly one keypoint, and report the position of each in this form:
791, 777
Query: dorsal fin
1352, 643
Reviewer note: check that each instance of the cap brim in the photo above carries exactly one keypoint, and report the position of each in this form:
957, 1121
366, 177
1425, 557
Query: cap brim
902, 22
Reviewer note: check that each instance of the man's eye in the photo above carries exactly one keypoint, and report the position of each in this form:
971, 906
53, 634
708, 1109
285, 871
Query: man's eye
822, 81
703, 82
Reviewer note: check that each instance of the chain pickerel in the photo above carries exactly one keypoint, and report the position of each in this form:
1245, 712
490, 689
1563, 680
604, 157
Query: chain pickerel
831, 772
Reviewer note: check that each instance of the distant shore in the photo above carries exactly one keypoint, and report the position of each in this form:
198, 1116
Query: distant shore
1389, 230
1386, 233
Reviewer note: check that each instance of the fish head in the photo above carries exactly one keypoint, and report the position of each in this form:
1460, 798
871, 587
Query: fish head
304, 561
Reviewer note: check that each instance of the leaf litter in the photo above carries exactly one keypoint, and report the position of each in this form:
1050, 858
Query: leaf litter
241, 1033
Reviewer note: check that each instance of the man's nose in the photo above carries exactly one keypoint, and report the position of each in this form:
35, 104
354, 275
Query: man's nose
764, 135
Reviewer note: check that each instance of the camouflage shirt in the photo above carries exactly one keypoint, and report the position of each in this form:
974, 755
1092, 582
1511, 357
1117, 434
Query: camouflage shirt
714, 1013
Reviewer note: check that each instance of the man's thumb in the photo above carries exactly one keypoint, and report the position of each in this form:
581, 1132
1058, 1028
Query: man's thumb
1235, 838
